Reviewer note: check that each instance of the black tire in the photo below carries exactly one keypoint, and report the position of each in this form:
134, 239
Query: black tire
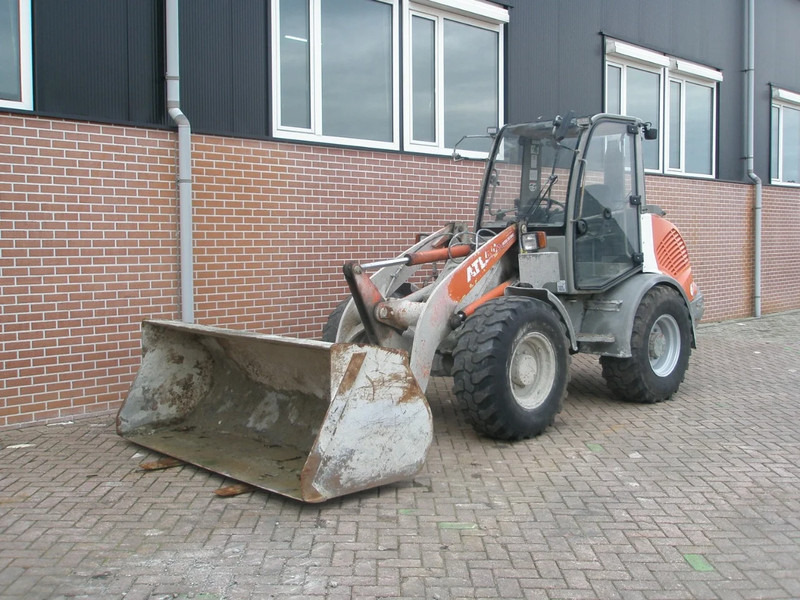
331, 326
661, 343
503, 399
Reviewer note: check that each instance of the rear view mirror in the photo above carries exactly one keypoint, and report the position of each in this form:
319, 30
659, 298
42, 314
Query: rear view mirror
561, 125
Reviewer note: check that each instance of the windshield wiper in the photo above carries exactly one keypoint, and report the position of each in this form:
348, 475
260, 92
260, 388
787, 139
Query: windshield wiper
544, 191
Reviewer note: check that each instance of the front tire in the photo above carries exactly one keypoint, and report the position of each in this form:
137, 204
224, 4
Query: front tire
660, 349
511, 367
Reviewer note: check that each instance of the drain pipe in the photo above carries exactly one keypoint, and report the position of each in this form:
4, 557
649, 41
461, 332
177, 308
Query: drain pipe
749, 119
184, 163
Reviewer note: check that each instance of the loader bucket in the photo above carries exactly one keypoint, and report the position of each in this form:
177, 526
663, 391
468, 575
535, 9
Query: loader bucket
305, 419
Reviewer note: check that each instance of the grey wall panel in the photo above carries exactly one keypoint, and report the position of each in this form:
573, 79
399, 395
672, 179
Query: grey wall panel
98, 59
556, 54
146, 62
206, 77
777, 63
251, 102
223, 66
581, 62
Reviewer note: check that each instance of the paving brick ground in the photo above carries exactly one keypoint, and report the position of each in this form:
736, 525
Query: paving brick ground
698, 497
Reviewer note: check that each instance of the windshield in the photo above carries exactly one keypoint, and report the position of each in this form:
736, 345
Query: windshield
529, 177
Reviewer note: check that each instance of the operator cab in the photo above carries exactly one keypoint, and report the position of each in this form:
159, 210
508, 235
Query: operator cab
578, 182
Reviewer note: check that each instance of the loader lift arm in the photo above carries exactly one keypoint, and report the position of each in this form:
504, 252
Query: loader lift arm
383, 321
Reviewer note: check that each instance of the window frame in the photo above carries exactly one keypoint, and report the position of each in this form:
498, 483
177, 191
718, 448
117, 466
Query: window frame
623, 55
468, 12
314, 133
25, 59
677, 77
782, 99
649, 67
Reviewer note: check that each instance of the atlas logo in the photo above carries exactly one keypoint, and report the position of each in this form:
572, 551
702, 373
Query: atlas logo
478, 265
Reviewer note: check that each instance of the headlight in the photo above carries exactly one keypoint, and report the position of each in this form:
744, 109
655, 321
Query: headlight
531, 242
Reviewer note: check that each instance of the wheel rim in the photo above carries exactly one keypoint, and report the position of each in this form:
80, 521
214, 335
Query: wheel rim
664, 345
532, 370
356, 335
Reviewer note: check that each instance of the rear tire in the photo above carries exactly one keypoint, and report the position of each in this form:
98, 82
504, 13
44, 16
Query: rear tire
331, 327
356, 335
660, 349
511, 367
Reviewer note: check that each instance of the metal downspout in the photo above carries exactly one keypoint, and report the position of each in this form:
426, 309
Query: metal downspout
184, 163
750, 119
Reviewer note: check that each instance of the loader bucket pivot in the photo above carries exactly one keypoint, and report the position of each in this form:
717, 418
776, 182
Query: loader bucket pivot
305, 419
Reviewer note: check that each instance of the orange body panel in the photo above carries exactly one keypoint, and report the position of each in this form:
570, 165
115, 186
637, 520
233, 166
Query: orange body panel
495, 293
672, 256
480, 262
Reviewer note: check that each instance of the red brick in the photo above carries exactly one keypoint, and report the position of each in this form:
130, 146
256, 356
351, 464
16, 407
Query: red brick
89, 240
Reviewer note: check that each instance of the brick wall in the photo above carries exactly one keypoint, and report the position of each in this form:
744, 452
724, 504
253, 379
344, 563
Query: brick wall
276, 222
780, 276
89, 244
87, 230
715, 219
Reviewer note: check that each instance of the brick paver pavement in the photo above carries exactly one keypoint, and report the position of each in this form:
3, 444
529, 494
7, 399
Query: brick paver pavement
698, 497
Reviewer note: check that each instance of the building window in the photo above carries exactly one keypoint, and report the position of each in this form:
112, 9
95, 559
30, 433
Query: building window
16, 77
636, 90
336, 72
677, 96
454, 74
335, 65
785, 137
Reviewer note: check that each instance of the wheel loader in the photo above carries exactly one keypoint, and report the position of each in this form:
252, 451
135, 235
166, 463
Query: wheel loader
565, 256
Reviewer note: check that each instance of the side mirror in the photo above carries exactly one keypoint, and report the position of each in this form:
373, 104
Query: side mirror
456, 156
561, 125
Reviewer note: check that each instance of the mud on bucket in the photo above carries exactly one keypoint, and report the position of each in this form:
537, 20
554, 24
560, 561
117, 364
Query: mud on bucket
305, 419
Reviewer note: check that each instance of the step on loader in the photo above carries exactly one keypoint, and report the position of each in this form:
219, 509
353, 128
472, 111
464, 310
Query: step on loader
565, 256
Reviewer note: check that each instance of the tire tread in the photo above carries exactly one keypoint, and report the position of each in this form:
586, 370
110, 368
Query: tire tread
473, 380
624, 376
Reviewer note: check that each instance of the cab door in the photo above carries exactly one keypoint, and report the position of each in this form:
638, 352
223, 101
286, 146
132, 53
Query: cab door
606, 236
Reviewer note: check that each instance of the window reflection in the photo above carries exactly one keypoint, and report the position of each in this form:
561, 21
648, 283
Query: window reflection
423, 79
774, 149
791, 145
10, 76
643, 92
675, 124
614, 89
357, 78
471, 81
699, 129
295, 57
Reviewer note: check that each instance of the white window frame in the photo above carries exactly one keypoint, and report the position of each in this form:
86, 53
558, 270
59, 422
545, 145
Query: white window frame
469, 12
650, 67
314, 133
782, 99
624, 55
676, 77
25, 59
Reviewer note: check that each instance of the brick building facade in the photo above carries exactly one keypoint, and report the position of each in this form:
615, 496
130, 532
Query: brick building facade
89, 237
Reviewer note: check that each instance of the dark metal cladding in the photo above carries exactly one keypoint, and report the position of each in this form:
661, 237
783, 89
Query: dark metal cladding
100, 60
556, 57
224, 66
